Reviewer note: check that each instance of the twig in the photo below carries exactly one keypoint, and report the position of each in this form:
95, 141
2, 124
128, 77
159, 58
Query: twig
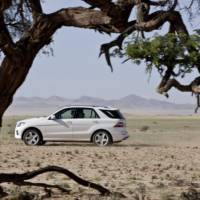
198, 103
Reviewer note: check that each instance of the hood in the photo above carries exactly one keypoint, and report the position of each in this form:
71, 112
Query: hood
35, 119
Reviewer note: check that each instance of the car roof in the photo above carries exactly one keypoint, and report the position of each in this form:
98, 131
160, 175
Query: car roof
91, 106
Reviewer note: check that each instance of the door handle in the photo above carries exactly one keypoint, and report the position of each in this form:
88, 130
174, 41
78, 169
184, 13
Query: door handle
95, 122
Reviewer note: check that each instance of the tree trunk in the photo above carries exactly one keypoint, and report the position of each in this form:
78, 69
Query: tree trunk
13, 72
15, 67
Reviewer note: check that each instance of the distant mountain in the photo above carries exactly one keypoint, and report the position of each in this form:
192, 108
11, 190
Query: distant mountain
130, 104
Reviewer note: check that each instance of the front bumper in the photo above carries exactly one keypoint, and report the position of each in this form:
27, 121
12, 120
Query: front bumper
18, 132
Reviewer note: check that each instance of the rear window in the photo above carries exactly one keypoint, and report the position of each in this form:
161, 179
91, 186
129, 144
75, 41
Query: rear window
114, 114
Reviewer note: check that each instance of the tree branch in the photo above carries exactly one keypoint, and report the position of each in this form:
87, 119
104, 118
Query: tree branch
104, 5
119, 11
107, 5
6, 42
157, 19
165, 86
193, 87
84, 18
19, 179
36, 8
163, 3
158, 3
154, 21
42, 185
191, 3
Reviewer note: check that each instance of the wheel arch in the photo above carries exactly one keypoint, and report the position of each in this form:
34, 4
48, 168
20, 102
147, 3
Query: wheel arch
101, 130
32, 128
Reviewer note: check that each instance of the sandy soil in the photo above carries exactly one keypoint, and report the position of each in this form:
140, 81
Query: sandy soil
158, 171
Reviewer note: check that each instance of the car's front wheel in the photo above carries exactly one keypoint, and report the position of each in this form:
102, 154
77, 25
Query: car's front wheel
32, 137
102, 138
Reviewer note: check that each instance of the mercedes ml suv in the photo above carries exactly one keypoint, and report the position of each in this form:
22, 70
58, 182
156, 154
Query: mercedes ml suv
97, 124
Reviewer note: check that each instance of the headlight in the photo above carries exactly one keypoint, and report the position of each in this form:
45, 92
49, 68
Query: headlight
20, 124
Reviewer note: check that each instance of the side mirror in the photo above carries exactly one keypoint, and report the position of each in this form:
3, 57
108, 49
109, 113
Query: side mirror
52, 117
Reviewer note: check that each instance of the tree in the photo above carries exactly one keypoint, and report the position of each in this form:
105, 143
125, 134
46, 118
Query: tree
25, 29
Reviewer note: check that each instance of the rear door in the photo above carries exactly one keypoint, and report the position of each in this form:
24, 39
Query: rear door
83, 123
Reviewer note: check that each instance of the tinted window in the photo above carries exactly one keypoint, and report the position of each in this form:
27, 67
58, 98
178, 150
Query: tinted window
86, 113
114, 114
66, 114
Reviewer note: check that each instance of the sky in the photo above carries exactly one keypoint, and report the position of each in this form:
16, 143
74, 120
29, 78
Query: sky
75, 69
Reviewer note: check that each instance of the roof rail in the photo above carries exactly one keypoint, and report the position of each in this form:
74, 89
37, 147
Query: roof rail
87, 105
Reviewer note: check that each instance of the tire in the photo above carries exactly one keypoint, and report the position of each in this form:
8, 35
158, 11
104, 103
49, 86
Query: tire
101, 138
32, 137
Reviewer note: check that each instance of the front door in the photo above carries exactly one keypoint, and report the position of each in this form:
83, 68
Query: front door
60, 128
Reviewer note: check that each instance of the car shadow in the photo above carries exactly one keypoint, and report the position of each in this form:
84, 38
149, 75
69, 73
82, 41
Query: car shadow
116, 145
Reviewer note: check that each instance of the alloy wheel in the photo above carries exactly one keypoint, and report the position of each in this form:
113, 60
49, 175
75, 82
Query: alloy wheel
101, 138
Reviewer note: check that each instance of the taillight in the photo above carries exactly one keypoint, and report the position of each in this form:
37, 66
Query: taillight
119, 125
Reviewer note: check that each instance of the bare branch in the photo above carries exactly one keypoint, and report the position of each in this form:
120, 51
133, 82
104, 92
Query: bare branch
158, 3
36, 8
191, 4
20, 178
192, 87
104, 5
198, 103
42, 185
119, 11
167, 84
157, 19
174, 5
83, 18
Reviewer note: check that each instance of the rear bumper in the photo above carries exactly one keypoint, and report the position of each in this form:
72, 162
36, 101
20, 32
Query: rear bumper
119, 135
126, 137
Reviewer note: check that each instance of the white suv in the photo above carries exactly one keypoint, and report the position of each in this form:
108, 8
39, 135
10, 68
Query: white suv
100, 125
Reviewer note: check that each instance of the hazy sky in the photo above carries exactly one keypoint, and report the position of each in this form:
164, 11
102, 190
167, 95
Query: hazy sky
75, 69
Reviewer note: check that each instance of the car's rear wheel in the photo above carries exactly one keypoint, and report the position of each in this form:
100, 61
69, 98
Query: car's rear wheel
102, 138
32, 137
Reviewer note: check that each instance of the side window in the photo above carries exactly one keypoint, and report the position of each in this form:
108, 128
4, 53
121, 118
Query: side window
86, 113
93, 114
66, 114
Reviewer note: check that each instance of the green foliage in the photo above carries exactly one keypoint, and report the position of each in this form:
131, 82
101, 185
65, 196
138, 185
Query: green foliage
177, 52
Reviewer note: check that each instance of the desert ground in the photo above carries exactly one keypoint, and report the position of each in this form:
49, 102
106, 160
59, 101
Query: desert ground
159, 161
